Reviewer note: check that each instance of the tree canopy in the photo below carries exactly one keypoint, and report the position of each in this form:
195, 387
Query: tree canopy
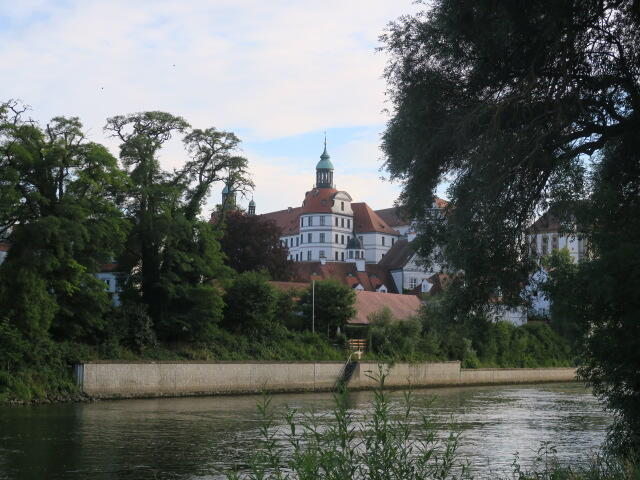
251, 243
60, 211
519, 105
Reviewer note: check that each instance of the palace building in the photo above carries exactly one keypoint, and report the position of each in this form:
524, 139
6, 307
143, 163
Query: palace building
331, 236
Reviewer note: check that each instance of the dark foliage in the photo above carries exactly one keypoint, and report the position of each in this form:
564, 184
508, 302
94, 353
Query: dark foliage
251, 243
507, 100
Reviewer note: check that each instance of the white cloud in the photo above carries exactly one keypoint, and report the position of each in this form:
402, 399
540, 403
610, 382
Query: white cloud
271, 69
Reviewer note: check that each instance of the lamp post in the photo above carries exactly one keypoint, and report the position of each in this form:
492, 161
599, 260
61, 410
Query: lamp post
313, 306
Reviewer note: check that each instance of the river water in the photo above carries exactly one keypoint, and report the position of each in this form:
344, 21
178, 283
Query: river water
199, 438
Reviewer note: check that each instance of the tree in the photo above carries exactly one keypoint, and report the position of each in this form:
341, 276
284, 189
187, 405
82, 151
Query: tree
250, 304
507, 100
60, 197
174, 257
334, 305
250, 243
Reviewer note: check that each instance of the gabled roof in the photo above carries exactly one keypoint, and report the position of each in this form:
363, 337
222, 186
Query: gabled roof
394, 216
366, 220
287, 220
401, 306
345, 272
398, 255
397, 216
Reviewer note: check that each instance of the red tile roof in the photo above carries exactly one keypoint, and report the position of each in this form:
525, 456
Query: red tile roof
401, 306
285, 286
394, 216
287, 220
318, 200
345, 272
366, 220
398, 255
4, 247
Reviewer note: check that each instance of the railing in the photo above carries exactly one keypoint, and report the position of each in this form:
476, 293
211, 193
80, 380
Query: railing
345, 374
357, 344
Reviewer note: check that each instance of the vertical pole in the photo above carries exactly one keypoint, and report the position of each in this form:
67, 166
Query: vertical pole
313, 306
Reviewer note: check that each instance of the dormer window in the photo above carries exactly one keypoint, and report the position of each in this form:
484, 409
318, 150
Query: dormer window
342, 206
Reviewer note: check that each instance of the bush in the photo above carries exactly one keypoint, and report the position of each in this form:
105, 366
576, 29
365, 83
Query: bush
334, 305
250, 303
394, 339
392, 443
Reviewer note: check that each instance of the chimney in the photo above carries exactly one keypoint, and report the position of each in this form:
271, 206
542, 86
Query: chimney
360, 264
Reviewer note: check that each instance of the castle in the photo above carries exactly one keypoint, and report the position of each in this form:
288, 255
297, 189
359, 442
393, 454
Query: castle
331, 236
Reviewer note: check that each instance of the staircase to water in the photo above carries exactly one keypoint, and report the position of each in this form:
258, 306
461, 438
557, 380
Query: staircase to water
346, 373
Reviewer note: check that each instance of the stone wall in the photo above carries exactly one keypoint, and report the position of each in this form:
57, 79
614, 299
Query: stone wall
119, 379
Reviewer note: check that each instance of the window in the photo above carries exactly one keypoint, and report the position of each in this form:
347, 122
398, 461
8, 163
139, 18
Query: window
336, 238
413, 283
342, 256
309, 237
336, 221
309, 255
322, 236
342, 222
342, 239
321, 220
383, 241
393, 241
534, 246
341, 205
301, 239
296, 257
351, 253
545, 245
302, 221
297, 241
554, 242
348, 223
348, 238
361, 240
286, 242
336, 256
310, 221
322, 254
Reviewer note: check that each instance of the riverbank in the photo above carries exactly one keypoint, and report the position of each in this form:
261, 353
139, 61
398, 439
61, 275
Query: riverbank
110, 379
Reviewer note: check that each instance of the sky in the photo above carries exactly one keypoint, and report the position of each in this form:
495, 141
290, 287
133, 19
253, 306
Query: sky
278, 74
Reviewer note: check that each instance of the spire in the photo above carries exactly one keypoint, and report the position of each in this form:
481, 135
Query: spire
325, 155
252, 207
324, 169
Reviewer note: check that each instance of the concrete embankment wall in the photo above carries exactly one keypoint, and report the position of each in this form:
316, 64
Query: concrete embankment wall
127, 380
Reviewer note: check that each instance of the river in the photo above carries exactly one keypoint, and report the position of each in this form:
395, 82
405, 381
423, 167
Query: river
198, 438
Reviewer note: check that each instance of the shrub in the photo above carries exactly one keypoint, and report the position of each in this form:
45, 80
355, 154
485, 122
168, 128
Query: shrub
250, 303
334, 305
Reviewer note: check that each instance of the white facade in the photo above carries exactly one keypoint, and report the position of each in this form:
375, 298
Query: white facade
545, 243
112, 284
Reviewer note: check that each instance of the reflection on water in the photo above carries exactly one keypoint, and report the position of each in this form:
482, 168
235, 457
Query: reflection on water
197, 438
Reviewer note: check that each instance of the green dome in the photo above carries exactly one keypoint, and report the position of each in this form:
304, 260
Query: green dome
225, 189
252, 203
324, 163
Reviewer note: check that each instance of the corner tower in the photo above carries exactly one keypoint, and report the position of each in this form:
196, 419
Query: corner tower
324, 170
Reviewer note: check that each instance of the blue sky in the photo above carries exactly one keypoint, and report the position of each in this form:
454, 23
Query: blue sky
277, 73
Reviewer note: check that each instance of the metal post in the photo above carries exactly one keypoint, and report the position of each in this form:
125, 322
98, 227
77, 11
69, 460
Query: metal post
313, 306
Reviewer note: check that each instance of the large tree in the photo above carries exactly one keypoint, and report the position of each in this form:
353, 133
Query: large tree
518, 105
173, 256
59, 211
251, 243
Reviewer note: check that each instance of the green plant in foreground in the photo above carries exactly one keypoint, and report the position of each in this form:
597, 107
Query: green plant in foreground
388, 443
